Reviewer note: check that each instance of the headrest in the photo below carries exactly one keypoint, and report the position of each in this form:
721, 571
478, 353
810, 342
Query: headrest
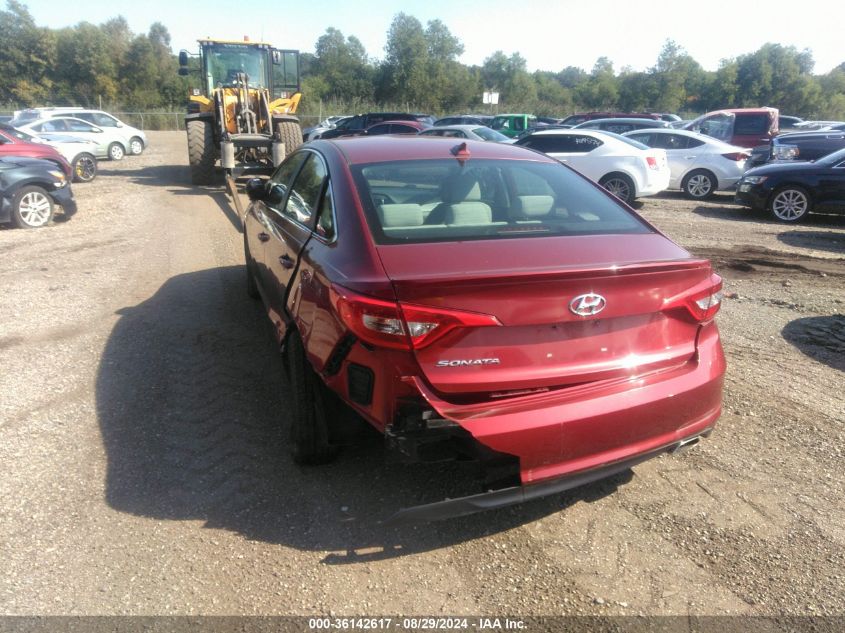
469, 213
533, 206
393, 215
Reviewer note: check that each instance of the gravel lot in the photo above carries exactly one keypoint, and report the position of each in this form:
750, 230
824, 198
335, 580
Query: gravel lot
144, 468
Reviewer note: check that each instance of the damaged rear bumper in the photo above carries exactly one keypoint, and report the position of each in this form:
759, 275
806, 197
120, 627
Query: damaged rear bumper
452, 508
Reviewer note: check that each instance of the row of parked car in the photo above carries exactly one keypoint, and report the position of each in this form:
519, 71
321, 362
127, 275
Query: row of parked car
43, 150
639, 154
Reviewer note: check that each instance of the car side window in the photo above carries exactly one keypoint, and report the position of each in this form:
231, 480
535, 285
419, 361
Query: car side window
277, 187
693, 142
79, 126
306, 191
103, 120
53, 125
325, 219
645, 139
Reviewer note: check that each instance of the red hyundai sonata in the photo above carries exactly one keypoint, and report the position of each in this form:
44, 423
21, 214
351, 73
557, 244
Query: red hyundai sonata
483, 301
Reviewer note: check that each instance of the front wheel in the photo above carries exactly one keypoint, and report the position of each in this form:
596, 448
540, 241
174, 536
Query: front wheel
136, 146
309, 426
790, 204
620, 186
32, 208
116, 151
699, 184
84, 168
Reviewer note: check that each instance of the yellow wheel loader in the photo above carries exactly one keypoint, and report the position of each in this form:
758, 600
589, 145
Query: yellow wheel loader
242, 113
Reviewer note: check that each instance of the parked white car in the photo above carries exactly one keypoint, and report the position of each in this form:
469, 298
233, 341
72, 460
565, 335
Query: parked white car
111, 143
136, 140
475, 132
700, 164
626, 168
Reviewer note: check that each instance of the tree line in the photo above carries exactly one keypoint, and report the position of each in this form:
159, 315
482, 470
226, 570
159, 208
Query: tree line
107, 64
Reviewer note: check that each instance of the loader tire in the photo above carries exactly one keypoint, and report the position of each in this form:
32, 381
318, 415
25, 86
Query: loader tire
290, 134
201, 152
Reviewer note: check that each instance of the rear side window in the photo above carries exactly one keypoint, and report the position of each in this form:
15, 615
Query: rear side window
751, 124
442, 200
561, 143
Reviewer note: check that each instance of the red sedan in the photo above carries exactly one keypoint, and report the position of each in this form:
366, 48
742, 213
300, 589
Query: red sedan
479, 300
13, 143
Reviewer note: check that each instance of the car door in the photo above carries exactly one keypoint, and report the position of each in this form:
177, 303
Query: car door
90, 132
831, 191
259, 227
290, 228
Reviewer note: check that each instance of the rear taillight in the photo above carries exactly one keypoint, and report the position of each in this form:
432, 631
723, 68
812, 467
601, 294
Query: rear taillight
400, 325
702, 301
652, 162
737, 156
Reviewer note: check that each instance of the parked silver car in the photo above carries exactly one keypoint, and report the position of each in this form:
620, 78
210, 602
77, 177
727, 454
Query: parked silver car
112, 143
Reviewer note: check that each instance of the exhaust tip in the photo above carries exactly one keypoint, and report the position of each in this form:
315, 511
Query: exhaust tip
684, 445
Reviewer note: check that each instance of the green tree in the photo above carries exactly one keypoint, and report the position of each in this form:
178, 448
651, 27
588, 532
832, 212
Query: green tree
601, 92
341, 64
404, 73
27, 57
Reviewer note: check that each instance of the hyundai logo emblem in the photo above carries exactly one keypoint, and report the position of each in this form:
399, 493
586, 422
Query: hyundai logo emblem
587, 305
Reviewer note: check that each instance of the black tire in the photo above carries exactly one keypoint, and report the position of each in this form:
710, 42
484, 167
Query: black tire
309, 429
201, 151
620, 186
136, 146
790, 204
290, 134
32, 207
84, 167
251, 285
116, 151
699, 184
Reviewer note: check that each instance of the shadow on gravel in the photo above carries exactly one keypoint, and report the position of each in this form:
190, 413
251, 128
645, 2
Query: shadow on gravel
820, 338
178, 178
191, 404
816, 240
736, 213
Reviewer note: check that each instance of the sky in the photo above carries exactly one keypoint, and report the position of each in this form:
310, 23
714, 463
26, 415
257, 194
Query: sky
550, 35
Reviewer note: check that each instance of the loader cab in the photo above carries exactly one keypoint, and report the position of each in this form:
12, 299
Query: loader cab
221, 63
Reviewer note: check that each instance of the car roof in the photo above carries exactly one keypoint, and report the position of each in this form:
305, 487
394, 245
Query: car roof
458, 126
371, 149
673, 130
638, 120
64, 118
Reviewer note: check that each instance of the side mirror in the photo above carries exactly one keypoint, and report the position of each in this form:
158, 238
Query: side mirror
183, 59
256, 189
119, 124
276, 56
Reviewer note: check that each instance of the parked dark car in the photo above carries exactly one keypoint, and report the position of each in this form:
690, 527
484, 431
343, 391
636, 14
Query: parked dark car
799, 146
744, 127
357, 124
580, 117
621, 125
786, 122
396, 127
29, 190
791, 190
476, 300
465, 119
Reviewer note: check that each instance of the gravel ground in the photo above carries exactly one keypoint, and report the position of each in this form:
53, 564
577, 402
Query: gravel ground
144, 468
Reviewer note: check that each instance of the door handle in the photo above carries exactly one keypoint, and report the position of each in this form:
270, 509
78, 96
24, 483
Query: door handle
263, 237
286, 261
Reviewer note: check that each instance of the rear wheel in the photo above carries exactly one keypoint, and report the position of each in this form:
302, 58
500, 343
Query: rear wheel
620, 186
290, 134
32, 208
309, 426
136, 146
201, 152
116, 151
84, 168
790, 204
699, 184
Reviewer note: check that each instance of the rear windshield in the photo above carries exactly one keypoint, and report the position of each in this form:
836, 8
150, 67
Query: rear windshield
441, 200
